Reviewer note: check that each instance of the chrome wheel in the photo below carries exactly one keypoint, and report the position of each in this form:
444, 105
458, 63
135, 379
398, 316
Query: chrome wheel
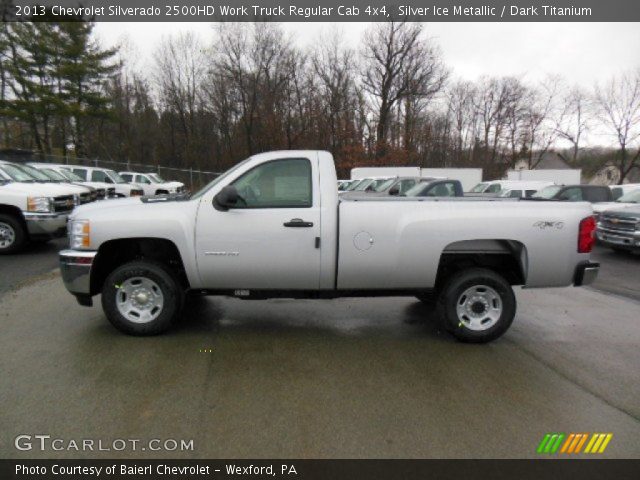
479, 308
7, 235
139, 299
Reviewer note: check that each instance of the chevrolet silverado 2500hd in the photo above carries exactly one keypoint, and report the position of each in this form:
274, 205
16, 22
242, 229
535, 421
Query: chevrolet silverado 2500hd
273, 226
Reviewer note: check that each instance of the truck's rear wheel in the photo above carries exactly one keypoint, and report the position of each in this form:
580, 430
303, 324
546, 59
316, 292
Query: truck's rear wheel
477, 305
12, 235
141, 298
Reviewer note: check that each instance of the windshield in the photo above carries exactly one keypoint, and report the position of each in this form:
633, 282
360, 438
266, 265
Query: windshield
213, 182
16, 174
416, 190
70, 175
33, 172
115, 177
547, 192
355, 183
156, 178
479, 188
632, 197
53, 174
385, 185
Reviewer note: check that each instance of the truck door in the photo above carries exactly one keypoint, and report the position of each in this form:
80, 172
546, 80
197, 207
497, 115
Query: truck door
269, 240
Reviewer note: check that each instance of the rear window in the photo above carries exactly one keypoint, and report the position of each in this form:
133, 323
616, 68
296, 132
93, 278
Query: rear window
596, 195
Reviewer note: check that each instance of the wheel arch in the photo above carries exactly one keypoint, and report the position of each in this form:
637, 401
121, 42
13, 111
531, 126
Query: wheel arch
504, 256
114, 253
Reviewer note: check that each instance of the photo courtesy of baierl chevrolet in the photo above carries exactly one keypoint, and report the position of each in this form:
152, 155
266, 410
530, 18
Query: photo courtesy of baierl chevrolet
318, 240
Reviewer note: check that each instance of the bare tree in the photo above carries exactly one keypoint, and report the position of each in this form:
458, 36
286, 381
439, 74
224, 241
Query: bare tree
573, 120
618, 104
398, 65
540, 127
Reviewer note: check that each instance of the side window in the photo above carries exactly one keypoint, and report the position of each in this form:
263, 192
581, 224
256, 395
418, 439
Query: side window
82, 173
528, 193
444, 189
515, 193
494, 188
597, 195
142, 179
571, 194
127, 176
276, 184
99, 176
617, 193
406, 185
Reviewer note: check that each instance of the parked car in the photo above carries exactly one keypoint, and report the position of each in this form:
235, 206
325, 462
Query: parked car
366, 184
620, 190
629, 199
104, 190
516, 189
436, 188
393, 186
30, 212
496, 187
152, 184
80, 194
272, 226
620, 229
105, 175
574, 193
344, 184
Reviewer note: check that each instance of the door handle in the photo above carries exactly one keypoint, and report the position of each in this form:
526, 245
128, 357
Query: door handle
298, 222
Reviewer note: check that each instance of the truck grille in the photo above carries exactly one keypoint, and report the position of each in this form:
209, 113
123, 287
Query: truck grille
615, 223
63, 204
111, 192
100, 193
85, 198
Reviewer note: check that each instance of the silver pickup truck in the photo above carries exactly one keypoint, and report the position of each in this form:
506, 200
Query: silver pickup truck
273, 226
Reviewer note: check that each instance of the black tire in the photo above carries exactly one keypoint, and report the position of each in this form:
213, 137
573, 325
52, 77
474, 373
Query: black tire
172, 292
13, 236
452, 294
620, 251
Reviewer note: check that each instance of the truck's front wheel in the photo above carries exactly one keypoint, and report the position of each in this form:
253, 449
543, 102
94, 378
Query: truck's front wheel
477, 305
141, 298
12, 235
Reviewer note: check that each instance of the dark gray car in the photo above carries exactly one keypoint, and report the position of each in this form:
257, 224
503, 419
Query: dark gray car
619, 229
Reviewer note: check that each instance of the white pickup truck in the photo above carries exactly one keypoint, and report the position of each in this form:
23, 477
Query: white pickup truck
273, 226
31, 212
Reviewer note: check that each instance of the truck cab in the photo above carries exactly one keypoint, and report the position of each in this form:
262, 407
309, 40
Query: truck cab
110, 177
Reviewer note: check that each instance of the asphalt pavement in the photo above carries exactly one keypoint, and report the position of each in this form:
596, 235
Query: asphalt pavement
363, 378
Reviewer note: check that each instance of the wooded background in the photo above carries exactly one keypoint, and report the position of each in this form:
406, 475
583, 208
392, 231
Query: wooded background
390, 100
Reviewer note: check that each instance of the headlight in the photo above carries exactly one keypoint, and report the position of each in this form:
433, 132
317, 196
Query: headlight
39, 204
79, 234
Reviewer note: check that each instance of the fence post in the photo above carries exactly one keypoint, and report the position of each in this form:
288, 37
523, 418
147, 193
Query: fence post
191, 178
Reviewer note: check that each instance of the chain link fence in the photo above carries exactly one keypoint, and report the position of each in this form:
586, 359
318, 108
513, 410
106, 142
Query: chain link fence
193, 179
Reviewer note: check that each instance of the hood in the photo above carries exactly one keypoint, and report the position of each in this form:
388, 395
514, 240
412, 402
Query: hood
82, 210
43, 189
632, 211
606, 206
98, 185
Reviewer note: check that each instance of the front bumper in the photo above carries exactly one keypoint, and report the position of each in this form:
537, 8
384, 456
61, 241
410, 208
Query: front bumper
586, 273
75, 266
46, 225
626, 240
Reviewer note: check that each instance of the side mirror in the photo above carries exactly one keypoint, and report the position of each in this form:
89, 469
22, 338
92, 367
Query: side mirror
394, 190
227, 198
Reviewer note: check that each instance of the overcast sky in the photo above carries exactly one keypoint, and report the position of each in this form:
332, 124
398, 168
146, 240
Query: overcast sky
584, 53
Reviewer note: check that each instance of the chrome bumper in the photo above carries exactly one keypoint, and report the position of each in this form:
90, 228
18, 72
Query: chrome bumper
586, 273
48, 225
619, 239
75, 266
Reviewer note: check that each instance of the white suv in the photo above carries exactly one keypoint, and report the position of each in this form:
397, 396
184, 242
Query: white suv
152, 183
96, 174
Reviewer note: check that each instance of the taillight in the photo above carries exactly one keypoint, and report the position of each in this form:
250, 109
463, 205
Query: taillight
586, 234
